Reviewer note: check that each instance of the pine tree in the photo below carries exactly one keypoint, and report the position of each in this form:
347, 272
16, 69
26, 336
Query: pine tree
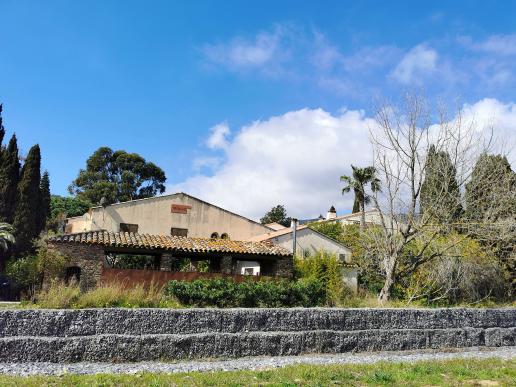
9, 179
440, 194
26, 222
44, 198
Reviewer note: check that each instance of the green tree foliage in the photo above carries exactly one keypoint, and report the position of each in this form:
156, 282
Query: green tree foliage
44, 200
333, 230
117, 176
26, 223
29, 271
68, 206
440, 194
276, 214
491, 191
491, 209
9, 179
326, 268
466, 272
6, 236
358, 182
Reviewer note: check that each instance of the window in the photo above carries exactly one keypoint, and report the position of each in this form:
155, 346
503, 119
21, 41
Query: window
180, 232
128, 227
224, 236
215, 235
72, 275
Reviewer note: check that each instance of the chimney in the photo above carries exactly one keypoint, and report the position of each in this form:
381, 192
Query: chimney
332, 213
293, 225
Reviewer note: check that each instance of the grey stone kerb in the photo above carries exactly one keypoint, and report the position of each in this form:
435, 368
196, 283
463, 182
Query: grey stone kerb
153, 334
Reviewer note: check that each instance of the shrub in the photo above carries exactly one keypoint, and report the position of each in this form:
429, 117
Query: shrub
224, 293
28, 272
323, 267
24, 272
467, 273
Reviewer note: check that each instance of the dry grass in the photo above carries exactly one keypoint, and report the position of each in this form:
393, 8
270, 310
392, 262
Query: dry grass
59, 295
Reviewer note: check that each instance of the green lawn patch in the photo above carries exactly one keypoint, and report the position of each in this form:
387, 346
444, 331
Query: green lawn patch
490, 372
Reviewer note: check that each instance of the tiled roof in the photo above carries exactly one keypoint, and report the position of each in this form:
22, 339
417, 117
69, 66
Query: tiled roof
274, 234
172, 243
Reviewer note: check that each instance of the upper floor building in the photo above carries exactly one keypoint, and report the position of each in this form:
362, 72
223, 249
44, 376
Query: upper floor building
177, 214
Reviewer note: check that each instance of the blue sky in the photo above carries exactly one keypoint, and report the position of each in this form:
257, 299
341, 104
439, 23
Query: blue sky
247, 104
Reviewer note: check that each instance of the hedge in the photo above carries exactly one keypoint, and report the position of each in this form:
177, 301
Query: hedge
226, 293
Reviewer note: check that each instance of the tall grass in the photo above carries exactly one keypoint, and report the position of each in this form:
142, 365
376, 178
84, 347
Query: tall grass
111, 295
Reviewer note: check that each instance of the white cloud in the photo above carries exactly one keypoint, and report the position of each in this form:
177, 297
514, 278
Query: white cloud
294, 159
242, 53
496, 44
491, 114
419, 61
218, 134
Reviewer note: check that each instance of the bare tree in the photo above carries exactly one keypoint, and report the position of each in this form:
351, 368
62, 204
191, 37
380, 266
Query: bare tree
401, 139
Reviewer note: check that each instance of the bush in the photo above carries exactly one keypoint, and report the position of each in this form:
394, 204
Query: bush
325, 268
467, 273
226, 293
25, 274
28, 272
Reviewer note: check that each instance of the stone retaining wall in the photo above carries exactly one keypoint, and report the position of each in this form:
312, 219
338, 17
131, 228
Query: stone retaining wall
153, 334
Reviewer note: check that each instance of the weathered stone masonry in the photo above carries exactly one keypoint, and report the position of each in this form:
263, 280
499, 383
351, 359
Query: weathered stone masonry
90, 259
154, 334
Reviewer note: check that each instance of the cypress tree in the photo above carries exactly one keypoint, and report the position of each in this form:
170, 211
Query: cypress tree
2, 130
491, 191
9, 179
44, 198
26, 223
440, 193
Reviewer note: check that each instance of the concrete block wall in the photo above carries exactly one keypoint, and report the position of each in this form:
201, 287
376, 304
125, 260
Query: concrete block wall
157, 334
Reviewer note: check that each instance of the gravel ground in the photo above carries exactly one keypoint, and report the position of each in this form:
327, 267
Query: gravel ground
252, 363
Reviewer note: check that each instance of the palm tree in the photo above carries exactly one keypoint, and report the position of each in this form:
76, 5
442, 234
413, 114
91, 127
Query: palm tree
6, 236
358, 182
6, 240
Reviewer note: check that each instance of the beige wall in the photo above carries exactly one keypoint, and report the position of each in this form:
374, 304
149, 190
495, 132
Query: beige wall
311, 241
154, 216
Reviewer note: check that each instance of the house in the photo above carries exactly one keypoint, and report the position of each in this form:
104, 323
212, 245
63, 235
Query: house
309, 242
92, 258
177, 214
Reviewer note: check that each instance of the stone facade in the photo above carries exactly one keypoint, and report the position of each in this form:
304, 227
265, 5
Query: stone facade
89, 258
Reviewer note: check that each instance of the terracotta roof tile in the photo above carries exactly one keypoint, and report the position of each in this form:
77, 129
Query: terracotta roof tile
172, 243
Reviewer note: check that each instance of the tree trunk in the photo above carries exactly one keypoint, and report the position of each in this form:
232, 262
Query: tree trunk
362, 217
385, 293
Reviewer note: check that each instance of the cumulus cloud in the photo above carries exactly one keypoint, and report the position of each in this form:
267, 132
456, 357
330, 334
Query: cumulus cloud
217, 138
296, 159
419, 61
